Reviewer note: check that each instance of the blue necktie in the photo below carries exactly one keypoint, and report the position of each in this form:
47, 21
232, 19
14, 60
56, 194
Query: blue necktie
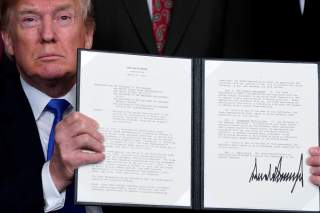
58, 107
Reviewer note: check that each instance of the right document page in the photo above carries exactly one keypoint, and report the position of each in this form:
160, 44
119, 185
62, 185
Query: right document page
260, 120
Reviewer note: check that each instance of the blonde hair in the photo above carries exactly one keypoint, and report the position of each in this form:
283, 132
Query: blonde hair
7, 5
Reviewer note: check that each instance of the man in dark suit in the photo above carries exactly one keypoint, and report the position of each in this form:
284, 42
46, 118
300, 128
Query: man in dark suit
197, 28
286, 30
38, 154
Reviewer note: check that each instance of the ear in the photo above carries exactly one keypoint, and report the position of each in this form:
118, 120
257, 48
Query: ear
89, 35
7, 40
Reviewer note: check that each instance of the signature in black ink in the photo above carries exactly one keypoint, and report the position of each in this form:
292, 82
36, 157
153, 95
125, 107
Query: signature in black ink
277, 175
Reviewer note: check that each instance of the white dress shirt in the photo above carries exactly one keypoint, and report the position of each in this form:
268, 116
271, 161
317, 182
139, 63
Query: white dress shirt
150, 7
44, 119
302, 3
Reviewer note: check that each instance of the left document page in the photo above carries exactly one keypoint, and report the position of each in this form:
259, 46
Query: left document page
143, 107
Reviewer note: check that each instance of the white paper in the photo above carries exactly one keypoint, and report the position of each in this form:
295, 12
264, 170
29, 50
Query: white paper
143, 106
260, 120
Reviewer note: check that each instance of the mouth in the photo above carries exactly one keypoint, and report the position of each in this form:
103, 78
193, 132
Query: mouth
49, 57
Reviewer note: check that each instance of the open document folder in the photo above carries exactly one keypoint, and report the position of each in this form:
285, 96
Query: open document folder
196, 133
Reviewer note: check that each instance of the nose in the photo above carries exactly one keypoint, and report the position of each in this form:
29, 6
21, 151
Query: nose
47, 30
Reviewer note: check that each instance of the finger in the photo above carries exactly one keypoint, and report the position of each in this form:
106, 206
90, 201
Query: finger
85, 158
75, 117
315, 180
84, 127
315, 171
86, 142
313, 161
314, 151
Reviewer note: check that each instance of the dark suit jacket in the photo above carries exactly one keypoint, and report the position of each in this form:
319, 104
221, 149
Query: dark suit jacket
280, 31
311, 34
21, 155
198, 28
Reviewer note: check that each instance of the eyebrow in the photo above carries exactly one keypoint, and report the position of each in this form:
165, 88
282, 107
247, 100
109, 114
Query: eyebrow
67, 7
26, 9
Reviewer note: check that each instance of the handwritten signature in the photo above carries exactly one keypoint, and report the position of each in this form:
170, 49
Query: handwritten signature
277, 175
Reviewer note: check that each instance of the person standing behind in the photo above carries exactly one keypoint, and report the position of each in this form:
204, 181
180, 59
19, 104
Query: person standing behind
286, 30
193, 28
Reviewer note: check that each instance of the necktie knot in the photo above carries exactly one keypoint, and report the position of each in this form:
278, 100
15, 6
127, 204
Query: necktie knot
57, 107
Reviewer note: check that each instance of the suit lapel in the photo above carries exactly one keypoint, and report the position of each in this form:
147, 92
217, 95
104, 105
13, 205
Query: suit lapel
182, 14
22, 127
140, 17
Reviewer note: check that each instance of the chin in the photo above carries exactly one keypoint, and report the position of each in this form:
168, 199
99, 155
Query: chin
56, 72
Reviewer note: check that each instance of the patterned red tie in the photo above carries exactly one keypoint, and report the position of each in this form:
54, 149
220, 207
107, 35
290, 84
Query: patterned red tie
161, 11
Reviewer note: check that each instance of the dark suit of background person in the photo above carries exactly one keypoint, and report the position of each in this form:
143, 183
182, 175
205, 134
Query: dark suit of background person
282, 32
198, 28
310, 30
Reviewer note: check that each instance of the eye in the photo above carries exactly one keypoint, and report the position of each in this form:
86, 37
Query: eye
64, 19
29, 21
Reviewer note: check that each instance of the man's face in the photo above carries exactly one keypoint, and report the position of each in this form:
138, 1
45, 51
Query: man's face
44, 35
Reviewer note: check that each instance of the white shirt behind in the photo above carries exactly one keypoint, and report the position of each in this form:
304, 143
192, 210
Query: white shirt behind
302, 3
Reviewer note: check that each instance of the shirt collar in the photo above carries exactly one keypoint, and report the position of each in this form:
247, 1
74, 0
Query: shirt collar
39, 100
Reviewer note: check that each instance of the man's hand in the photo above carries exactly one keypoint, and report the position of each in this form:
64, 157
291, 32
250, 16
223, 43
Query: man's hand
314, 161
73, 135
